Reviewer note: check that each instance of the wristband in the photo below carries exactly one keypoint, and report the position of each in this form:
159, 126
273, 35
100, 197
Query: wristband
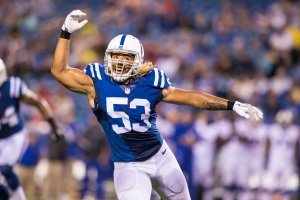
65, 35
230, 105
51, 122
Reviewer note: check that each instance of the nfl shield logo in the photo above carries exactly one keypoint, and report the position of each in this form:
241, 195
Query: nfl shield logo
127, 90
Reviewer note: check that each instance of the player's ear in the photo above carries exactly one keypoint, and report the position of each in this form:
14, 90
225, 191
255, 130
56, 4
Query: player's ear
145, 68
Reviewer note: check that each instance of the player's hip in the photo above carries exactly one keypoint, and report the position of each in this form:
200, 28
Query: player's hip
134, 147
164, 156
13, 147
6, 132
161, 171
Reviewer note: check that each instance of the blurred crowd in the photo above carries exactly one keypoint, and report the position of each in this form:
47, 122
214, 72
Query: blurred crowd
242, 50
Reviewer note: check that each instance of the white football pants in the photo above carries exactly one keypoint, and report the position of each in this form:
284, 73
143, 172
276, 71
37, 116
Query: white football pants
13, 147
134, 180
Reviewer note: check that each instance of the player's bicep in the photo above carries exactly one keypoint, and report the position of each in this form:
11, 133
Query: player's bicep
176, 96
75, 80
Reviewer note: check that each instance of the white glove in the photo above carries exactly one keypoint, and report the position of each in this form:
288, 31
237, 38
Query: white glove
247, 111
72, 21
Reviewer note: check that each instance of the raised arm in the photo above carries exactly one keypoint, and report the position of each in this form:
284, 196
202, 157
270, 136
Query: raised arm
206, 101
72, 78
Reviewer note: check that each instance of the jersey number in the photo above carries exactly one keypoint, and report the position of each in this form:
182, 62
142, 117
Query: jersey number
111, 101
9, 117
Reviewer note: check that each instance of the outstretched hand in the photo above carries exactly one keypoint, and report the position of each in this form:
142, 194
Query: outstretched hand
73, 21
56, 133
248, 111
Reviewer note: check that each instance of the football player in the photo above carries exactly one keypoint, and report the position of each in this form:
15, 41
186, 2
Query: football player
123, 95
13, 136
281, 177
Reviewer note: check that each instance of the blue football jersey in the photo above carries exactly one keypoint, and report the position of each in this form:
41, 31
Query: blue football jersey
127, 112
11, 121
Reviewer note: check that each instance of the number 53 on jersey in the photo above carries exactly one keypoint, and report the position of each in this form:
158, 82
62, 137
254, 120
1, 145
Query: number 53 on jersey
128, 125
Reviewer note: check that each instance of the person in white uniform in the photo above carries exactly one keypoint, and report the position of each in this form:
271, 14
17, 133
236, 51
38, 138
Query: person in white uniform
281, 176
13, 135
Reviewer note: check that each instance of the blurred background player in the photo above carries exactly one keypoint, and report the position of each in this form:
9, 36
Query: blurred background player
281, 176
241, 176
205, 147
257, 149
123, 95
13, 135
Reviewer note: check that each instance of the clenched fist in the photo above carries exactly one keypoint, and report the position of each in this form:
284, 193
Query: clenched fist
73, 21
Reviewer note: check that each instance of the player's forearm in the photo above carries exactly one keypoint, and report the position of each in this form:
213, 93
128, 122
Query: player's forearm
33, 99
47, 113
44, 108
207, 101
61, 55
196, 99
41, 104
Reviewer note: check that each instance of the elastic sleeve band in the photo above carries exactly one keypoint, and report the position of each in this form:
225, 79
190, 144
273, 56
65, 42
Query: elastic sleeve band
51, 122
230, 105
65, 35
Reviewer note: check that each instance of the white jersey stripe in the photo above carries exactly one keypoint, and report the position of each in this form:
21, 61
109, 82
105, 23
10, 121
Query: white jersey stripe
12, 86
18, 85
162, 84
24, 89
98, 71
92, 70
156, 77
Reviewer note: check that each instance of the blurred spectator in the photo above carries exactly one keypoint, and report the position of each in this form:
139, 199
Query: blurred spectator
53, 182
27, 165
98, 164
184, 138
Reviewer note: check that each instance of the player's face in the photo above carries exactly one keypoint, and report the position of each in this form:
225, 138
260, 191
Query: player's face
122, 63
